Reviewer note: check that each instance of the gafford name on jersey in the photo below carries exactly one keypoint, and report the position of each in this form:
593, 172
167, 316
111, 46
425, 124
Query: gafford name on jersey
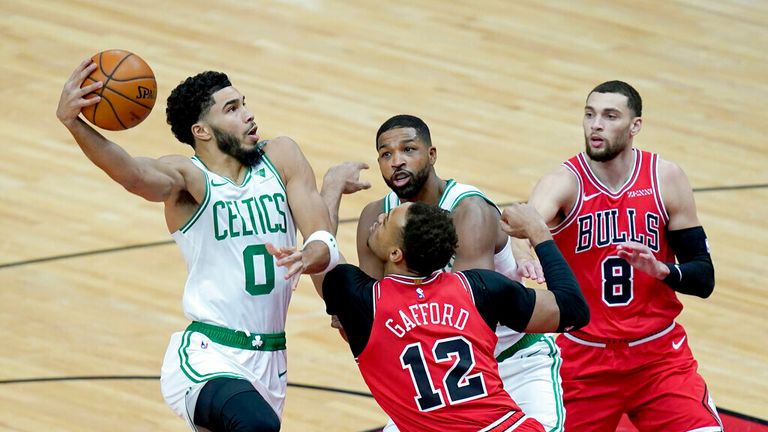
422, 314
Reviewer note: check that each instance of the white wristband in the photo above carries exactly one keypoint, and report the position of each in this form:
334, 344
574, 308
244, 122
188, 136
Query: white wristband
330, 241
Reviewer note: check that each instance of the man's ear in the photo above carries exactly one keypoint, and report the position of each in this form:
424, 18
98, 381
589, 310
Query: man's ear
432, 155
637, 124
396, 256
202, 132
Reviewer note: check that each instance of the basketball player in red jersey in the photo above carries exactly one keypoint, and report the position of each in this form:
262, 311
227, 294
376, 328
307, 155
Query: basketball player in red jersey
621, 216
424, 339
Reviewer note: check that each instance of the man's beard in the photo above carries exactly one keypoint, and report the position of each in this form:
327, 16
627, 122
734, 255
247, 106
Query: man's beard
413, 187
231, 145
608, 152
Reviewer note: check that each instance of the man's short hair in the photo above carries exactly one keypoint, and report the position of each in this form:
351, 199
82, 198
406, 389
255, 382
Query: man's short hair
406, 121
634, 102
429, 238
191, 100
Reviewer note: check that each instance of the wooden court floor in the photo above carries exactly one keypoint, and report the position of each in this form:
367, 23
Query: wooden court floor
90, 285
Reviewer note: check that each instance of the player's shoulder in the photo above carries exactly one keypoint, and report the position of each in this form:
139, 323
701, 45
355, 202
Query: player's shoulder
474, 205
280, 148
182, 164
558, 180
673, 180
372, 210
669, 170
175, 159
561, 173
279, 143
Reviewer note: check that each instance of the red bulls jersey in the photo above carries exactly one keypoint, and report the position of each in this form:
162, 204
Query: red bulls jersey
624, 302
429, 340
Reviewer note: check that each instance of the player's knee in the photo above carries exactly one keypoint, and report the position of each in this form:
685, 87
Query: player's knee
233, 405
248, 412
252, 422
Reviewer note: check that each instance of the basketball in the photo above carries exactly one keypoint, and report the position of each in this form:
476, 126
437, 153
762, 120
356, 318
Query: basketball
128, 94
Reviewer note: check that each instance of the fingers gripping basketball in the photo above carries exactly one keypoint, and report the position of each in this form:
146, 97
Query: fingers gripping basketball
128, 93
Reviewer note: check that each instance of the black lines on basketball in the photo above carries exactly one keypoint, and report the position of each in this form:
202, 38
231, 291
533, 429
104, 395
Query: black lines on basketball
128, 93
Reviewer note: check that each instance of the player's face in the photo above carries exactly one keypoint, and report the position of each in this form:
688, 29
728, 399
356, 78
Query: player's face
609, 126
405, 161
233, 126
386, 233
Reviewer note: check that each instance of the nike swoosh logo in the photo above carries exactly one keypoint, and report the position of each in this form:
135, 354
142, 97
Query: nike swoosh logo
280, 374
676, 345
589, 197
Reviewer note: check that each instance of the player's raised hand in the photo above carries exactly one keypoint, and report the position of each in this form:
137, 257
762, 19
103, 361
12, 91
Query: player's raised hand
344, 178
641, 257
72, 98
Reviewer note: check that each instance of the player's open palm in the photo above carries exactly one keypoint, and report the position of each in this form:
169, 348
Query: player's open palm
289, 257
640, 257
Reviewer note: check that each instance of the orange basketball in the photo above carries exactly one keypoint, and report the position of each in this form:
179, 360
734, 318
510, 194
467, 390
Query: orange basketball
128, 94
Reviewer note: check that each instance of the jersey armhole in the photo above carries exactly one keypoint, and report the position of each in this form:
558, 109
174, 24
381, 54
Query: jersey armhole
201, 208
571, 215
656, 186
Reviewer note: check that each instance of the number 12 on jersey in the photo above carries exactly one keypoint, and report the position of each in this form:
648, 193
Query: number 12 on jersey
458, 384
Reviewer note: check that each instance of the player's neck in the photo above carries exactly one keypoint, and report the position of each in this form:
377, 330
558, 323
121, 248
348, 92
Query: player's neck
431, 192
223, 165
615, 172
398, 269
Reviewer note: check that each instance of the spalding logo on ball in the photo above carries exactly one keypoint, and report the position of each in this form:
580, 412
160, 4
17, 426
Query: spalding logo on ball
128, 93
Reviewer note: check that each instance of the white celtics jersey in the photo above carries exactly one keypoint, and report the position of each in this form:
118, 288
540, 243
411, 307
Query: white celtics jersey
503, 261
233, 281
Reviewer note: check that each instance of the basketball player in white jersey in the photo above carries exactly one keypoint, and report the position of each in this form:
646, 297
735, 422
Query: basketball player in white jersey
529, 364
227, 370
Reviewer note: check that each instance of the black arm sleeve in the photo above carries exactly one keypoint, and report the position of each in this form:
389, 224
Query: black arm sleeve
348, 294
695, 273
574, 311
502, 300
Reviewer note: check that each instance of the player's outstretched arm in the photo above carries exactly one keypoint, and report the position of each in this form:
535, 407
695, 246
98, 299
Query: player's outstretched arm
562, 307
552, 197
339, 180
320, 251
153, 179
